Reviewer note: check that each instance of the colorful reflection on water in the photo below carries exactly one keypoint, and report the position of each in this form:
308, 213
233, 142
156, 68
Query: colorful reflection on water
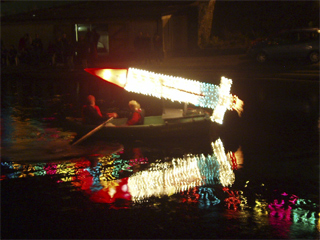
102, 173
131, 178
202, 180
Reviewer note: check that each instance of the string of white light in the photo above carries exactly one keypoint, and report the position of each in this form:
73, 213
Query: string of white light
181, 174
184, 90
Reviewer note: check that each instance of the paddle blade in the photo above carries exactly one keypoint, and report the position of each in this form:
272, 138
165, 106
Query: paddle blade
114, 76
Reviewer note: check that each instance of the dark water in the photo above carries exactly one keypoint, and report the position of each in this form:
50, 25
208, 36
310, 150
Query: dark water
181, 188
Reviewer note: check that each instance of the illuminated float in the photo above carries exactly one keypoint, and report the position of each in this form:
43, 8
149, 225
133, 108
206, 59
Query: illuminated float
200, 94
173, 122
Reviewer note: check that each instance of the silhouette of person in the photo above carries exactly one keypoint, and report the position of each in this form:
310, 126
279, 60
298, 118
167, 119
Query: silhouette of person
24, 48
157, 45
37, 48
69, 54
59, 51
13, 55
83, 50
138, 45
94, 43
92, 38
147, 48
4, 54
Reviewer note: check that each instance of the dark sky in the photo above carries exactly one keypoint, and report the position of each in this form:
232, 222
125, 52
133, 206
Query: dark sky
247, 16
14, 6
264, 17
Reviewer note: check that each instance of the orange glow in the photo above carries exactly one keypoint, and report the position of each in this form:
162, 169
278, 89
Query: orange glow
114, 76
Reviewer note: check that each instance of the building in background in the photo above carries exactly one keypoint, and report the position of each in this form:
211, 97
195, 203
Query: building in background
117, 22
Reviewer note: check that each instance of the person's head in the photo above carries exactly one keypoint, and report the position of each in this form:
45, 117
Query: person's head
134, 105
91, 100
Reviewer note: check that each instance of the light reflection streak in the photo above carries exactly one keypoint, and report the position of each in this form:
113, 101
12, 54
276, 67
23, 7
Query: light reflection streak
226, 174
261, 206
189, 175
284, 211
182, 174
207, 197
305, 211
233, 199
287, 214
164, 179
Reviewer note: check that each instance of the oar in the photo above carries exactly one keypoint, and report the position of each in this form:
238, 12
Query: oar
92, 132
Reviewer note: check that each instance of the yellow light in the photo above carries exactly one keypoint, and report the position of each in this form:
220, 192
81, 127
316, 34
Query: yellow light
225, 100
165, 179
163, 86
226, 174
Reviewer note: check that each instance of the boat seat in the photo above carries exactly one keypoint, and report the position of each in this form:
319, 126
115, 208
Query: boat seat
171, 113
142, 116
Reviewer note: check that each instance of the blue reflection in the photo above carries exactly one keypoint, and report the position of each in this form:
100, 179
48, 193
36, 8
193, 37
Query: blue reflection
209, 169
95, 172
207, 197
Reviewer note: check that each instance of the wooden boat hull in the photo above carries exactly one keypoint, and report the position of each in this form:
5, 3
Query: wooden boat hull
154, 128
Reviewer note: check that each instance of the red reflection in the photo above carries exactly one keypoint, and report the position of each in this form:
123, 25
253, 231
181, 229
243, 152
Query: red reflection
116, 191
233, 200
84, 178
234, 161
191, 196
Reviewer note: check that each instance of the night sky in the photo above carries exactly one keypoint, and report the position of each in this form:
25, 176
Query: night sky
14, 7
254, 18
251, 18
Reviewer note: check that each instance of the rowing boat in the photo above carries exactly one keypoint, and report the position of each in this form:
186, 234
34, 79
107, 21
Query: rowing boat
154, 127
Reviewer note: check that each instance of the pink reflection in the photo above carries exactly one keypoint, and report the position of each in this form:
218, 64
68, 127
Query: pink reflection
51, 168
280, 214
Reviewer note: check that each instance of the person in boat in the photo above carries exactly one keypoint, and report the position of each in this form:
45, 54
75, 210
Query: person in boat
136, 115
91, 113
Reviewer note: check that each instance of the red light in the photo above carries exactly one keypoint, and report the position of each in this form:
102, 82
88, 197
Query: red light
111, 75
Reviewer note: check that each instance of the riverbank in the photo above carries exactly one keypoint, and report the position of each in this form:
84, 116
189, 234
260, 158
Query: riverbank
211, 57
